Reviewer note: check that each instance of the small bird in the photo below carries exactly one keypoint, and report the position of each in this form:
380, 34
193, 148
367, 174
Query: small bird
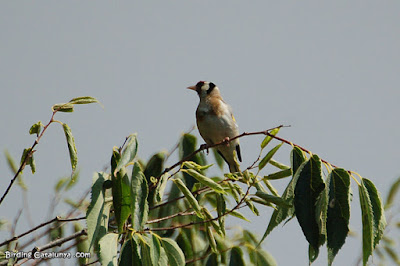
216, 123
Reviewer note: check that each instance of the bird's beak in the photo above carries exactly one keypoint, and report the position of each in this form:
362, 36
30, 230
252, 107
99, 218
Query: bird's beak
191, 88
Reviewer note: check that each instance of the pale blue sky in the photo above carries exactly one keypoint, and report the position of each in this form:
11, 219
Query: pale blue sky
328, 69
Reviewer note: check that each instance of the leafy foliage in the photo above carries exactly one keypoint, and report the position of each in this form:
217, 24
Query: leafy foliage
141, 213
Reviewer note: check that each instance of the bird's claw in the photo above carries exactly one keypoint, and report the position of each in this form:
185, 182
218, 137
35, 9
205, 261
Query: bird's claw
204, 147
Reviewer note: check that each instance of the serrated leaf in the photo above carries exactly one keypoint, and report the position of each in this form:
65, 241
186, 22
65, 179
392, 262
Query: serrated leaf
128, 153
236, 258
63, 107
139, 194
273, 199
267, 139
83, 100
379, 220
174, 252
204, 180
367, 222
282, 212
189, 196
338, 214
269, 156
98, 211
36, 128
308, 188
71, 146
108, 249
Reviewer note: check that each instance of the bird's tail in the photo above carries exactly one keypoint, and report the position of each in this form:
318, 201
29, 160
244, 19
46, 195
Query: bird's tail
234, 167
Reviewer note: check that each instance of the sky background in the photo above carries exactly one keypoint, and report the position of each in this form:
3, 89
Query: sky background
328, 69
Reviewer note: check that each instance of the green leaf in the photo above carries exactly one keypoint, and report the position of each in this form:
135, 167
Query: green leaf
269, 156
307, 190
151, 250
83, 100
161, 187
379, 220
11, 162
98, 211
127, 254
236, 258
221, 210
211, 239
189, 196
139, 193
174, 252
109, 249
238, 215
63, 107
392, 193
261, 258
282, 212
36, 128
128, 153
278, 164
268, 138
279, 175
154, 169
187, 145
204, 180
14, 169
71, 146
81, 243
367, 222
273, 199
72, 181
296, 158
121, 192
208, 216
337, 224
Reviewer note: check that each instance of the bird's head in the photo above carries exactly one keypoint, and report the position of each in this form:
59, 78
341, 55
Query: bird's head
205, 89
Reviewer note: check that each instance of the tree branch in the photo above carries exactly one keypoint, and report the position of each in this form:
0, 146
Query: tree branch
56, 219
30, 153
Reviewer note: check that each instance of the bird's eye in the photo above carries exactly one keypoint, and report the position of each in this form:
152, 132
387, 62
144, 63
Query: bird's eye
210, 88
199, 85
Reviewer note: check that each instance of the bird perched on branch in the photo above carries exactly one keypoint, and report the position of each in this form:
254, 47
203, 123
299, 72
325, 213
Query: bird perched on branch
216, 123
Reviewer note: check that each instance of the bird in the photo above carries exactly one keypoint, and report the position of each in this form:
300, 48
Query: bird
216, 123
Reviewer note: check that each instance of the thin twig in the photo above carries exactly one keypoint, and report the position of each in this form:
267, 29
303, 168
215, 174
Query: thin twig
30, 153
204, 221
56, 219
60, 241
171, 216
224, 142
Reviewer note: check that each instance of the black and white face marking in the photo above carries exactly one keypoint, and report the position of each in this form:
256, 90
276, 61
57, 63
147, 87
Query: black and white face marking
204, 87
